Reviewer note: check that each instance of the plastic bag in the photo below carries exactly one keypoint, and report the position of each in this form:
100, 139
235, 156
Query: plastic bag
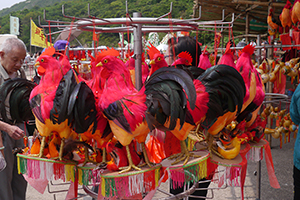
155, 149
2, 162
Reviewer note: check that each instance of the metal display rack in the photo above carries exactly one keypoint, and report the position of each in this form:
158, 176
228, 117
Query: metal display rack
138, 25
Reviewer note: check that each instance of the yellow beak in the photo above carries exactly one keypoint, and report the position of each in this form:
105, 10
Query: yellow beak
152, 62
99, 64
37, 64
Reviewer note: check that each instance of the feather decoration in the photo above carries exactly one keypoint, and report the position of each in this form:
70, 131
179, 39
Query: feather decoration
115, 113
83, 108
17, 91
177, 75
226, 90
162, 91
58, 113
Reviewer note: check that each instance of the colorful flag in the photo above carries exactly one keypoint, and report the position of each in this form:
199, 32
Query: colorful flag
37, 36
14, 25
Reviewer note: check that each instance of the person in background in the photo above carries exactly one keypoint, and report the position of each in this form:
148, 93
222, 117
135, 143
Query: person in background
295, 115
176, 46
12, 185
2, 159
180, 44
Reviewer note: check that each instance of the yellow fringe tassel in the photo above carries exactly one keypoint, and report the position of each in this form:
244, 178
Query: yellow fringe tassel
69, 171
80, 176
202, 169
102, 186
19, 169
157, 176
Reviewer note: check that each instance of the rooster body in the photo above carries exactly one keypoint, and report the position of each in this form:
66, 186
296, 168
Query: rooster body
295, 12
228, 57
285, 17
127, 109
273, 23
245, 67
204, 62
60, 103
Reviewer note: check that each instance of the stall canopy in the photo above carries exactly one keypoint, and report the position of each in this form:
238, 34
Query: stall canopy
64, 35
255, 11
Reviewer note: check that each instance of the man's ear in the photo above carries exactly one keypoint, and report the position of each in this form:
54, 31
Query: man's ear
1, 54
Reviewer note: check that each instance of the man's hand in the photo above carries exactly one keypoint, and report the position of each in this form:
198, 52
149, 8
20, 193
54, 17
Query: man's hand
15, 132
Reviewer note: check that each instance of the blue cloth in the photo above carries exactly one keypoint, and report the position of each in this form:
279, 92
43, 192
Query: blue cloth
294, 113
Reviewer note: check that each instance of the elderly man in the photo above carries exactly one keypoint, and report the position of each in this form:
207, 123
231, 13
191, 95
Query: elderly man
12, 185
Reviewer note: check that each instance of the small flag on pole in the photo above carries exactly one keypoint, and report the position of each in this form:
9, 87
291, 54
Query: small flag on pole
14, 25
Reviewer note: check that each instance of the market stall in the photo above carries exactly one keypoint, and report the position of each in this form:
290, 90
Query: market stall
145, 182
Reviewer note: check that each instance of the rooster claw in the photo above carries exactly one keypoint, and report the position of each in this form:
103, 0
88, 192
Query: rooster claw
128, 168
150, 164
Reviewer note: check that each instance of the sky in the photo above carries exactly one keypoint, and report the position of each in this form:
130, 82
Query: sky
8, 3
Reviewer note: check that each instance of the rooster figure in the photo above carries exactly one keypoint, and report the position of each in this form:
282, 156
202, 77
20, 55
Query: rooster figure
162, 99
60, 103
285, 17
220, 91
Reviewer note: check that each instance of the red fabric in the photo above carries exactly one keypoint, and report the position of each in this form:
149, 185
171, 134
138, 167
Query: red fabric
296, 38
270, 166
244, 151
285, 40
38, 184
172, 144
279, 84
243, 175
155, 149
72, 192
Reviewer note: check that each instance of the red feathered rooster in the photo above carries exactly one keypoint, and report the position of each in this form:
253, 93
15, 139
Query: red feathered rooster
220, 92
59, 102
228, 56
245, 66
204, 62
161, 100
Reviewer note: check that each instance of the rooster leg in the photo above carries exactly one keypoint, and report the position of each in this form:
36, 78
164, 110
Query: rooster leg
42, 146
184, 155
104, 159
131, 165
147, 161
86, 157
210, 147
62, 144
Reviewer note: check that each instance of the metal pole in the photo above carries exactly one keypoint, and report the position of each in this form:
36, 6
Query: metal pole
137, 31
258, 42
258, 183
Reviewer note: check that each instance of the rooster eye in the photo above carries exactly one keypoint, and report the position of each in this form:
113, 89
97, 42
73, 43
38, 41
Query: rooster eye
105, 61
42, 60
158, 58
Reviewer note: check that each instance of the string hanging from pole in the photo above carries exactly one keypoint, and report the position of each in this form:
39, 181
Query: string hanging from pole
72, 23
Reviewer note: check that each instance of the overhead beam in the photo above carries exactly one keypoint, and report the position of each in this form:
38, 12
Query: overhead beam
254, 25
258, 3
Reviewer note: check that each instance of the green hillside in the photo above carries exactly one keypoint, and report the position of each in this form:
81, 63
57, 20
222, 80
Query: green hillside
98, 8
28, 4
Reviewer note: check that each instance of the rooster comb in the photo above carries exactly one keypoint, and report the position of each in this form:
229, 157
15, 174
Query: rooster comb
107, 52
49, 51
249, 49
186, 55
152, 50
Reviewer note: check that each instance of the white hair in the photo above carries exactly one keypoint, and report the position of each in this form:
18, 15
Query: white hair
12, 42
